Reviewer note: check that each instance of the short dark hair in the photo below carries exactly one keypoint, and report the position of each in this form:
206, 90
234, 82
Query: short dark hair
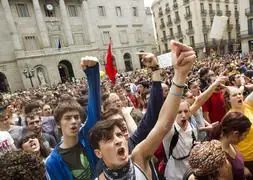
21, 165
29, 107
232, 76
203, 72
66, 106
31, 116
103, 130
110, 112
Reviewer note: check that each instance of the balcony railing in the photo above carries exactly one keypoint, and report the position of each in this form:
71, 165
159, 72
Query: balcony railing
190, 31
167, 10
171, 36
163, 39
226, 1
219, 12
206, 29
162, 26
160, 13
236, 1
238, 28
175, 5
169, 23
52, 51
217, 0
236, 13
179, 35
228, 13
246, 34
212, 12
249, 12
177, 20
229, 27
210, 0
203, 12
186, 2
188, 16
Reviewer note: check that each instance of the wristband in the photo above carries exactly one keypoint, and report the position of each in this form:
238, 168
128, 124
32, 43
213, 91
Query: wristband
181, 86
176, 94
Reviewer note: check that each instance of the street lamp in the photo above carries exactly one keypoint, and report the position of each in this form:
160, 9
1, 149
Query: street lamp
29, 73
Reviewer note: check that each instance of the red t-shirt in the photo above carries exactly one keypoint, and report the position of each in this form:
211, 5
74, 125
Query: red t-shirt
215, 106
133, 99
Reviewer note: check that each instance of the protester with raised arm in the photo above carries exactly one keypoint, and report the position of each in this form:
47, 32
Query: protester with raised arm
109, 144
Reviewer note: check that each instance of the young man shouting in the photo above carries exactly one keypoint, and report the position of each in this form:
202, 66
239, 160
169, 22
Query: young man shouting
73, 158
109, 143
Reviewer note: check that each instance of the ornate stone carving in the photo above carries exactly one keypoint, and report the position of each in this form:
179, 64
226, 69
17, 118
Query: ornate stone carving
53, 27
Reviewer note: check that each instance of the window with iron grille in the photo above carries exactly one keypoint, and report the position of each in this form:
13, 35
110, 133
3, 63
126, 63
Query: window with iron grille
30, 43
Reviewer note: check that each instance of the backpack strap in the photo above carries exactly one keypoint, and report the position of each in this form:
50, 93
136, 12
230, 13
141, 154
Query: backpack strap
187, 174
173, 141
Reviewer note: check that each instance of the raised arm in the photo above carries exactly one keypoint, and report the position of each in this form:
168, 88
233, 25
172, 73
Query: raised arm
185, 57
131, 125
203, 97
154, 106
91, 69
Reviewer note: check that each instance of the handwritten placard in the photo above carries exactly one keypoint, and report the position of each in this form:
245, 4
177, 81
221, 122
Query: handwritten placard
218, 27
166, 60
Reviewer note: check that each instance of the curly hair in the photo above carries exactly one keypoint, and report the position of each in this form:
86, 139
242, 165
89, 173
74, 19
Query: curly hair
206, 158
19, 165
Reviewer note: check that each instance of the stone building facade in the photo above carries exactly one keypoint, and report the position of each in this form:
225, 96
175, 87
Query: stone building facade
48, 38
190, 22
246, 22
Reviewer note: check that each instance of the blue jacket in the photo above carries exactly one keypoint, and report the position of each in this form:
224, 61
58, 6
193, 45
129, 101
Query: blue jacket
55, 166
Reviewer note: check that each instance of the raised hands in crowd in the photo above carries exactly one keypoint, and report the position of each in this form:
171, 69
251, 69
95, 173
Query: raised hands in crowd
188, 121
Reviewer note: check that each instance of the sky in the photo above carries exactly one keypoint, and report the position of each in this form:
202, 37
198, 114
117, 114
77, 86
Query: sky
148, 2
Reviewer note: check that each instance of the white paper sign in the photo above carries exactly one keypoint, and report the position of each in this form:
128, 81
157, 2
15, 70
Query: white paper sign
218, 27
166, 60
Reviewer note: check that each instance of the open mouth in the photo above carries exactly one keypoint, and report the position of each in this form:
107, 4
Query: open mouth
240, 101
33, 145
73, 128
183, 121
121, 151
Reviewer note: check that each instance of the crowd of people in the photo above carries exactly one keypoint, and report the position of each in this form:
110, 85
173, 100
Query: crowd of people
192, 121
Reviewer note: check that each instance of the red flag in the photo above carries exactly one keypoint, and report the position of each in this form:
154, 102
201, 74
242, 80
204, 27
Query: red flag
111, 71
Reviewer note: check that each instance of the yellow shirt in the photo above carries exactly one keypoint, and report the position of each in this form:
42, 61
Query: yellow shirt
246, 146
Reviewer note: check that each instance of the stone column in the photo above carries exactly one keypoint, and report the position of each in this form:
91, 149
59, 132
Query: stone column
86, 17
41, 24
65, 22
11, 24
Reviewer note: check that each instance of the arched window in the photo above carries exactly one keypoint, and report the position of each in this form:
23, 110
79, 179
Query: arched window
128, 62
66, 71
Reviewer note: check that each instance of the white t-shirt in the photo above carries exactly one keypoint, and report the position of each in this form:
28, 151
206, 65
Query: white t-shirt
6, 142
175, 169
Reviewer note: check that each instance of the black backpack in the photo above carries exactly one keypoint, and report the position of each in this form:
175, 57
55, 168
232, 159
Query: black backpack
174, 141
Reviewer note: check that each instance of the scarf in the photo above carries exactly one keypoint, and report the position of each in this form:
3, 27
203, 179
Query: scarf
125, 173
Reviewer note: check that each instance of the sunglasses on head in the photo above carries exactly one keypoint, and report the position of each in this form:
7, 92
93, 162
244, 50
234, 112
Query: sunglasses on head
26, 138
